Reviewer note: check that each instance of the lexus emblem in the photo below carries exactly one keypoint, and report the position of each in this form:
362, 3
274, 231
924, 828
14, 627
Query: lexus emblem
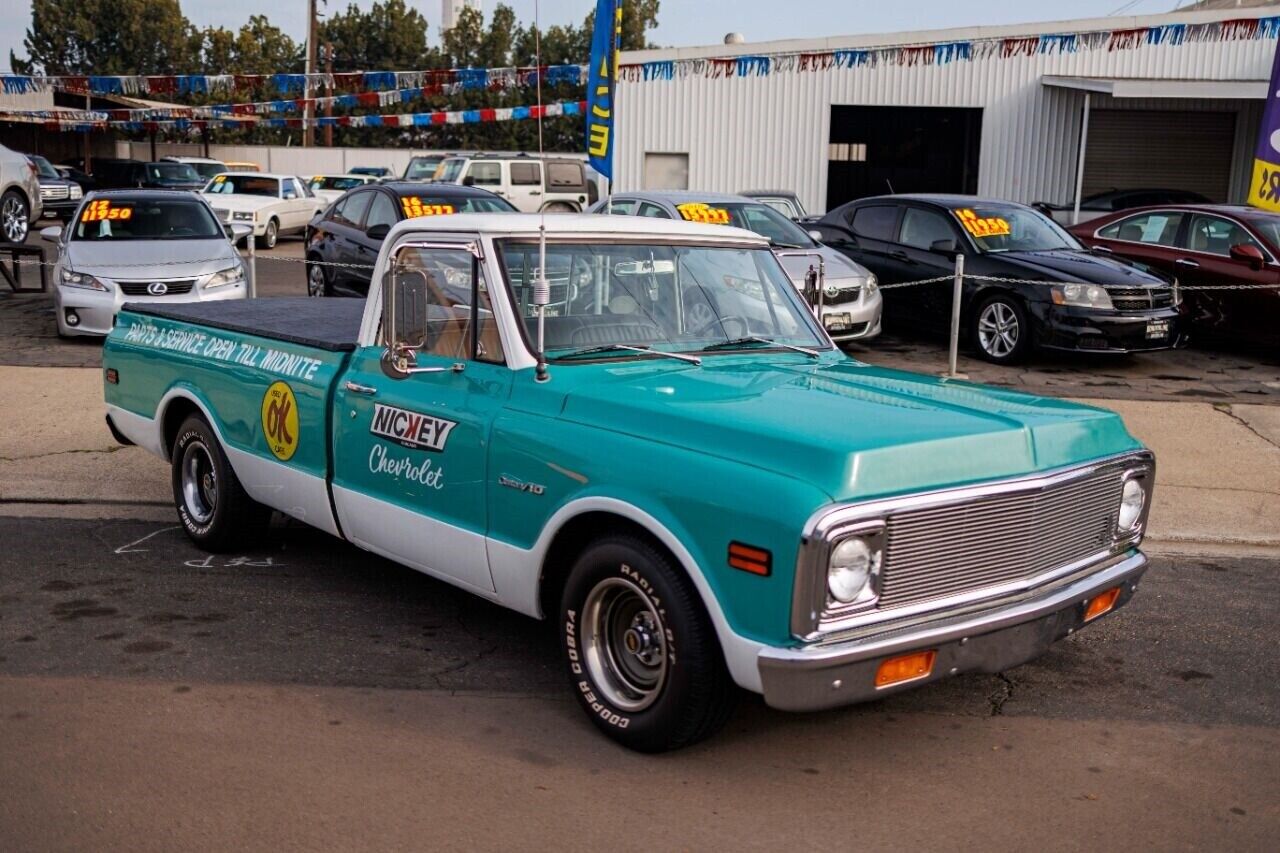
157, 288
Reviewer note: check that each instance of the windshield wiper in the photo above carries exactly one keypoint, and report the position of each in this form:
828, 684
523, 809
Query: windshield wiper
692, 359
753, 339
778, 244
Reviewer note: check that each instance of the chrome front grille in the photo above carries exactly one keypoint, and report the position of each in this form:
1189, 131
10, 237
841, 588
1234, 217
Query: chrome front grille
1139, 298
54, 192
846, 294
139, 288
951, 550
223, 215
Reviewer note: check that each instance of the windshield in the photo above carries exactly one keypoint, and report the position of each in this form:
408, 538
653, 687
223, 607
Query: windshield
1006, 228
207, 170
177, 173
43, 167
422, 168
244, 185
1267, 226
753, 216
449, 169
415, 205
331, 182
671, 297
144, 219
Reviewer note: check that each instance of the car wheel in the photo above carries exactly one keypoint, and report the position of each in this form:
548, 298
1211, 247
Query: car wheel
559, 207
269, 236
318, 280
1000, 330
642, 654
213, 506
15, 217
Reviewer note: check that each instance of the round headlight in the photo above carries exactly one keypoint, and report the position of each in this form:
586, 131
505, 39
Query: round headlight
852, 562
1132, 500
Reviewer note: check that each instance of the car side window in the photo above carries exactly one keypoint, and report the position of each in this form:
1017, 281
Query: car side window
652, 211
1158, 228
526, 174
485, 174
1216, 235
434, 295
350, 210
875, 221
381, 212
621, 207
286, 190
922, 228
566, 177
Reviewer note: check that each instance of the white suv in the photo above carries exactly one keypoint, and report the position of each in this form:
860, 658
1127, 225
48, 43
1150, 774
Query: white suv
531, 184
20, 203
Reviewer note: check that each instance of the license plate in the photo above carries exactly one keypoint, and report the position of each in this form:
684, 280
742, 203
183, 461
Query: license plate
1157, 329
838, 322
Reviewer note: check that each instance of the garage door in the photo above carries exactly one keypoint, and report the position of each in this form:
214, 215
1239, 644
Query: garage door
1134, 149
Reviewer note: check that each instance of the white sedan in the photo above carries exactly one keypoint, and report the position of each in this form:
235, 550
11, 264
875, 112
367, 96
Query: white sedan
140, 246
330, 188
270, 204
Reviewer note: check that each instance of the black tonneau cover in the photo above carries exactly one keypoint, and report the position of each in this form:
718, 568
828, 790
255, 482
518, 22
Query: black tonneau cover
327, 324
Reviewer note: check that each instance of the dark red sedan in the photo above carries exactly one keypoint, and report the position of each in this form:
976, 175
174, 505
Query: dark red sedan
1204, 244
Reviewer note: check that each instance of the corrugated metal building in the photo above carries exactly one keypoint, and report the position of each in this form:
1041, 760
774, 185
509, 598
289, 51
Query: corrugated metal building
1168, 100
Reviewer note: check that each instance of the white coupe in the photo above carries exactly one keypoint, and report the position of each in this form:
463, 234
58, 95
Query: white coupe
270, 204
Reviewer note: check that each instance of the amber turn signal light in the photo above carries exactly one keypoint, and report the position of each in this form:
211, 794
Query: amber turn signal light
905, 668
755, 560
1101, 604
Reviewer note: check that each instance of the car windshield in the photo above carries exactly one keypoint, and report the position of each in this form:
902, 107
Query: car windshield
415, 205
669, 297
208, 170
332, 182
112, 219
449, 169
1007, 228
244, 185
1267, 226
43, 167
421, 168
178, 173
753, 216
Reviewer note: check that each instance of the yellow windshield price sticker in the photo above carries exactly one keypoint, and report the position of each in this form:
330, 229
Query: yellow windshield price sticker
414, 207
219, 179
698, 211
982, 226
103, 209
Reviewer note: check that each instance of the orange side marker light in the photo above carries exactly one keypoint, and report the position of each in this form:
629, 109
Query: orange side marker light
1101, 604
905, 668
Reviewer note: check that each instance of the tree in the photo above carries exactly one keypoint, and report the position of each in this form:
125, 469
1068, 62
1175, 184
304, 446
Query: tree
389, 37
108, 37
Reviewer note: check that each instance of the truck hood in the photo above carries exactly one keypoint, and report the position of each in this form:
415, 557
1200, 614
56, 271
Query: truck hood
151, 259
852, 430
1071, 265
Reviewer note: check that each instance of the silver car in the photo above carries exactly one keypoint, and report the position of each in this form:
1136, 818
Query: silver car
20, 203
141, 246
850, 301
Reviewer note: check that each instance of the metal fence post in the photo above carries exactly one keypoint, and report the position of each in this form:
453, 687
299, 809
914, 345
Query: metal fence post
253, 268
952, 362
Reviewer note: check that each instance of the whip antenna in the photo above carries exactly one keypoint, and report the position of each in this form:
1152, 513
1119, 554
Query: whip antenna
541, 287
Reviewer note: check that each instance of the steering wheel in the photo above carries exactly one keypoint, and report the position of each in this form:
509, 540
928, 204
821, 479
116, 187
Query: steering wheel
732, 325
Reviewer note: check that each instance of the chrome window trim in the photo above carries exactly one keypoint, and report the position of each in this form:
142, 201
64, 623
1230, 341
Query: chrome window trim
829, 524
1097, 231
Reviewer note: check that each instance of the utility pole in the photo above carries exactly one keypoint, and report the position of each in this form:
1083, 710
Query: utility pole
328, 107
307, 131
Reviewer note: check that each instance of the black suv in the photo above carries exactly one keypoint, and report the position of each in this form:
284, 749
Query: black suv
113, 174
59, 196
1055, 293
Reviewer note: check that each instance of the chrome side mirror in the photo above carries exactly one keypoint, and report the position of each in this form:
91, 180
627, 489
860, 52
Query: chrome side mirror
405, 309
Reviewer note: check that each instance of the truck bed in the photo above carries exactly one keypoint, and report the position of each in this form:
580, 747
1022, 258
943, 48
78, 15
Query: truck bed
327, 324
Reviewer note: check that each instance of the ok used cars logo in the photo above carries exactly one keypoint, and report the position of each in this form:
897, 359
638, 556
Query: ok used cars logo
410, 429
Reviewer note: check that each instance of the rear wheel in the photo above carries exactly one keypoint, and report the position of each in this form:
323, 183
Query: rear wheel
15, 217
642, 653
212, 505
318, 279
269, 236
1000, 330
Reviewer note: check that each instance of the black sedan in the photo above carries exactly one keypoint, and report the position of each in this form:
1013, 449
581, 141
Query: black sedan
351, 230
1059, 296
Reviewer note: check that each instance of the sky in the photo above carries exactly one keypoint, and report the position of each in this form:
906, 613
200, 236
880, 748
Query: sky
687, 22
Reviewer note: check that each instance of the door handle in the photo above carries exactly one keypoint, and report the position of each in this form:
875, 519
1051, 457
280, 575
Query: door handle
1187, 262
535, 192
901, 256
356, 388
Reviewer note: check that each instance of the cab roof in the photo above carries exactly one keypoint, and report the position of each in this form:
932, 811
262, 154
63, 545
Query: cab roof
561, 225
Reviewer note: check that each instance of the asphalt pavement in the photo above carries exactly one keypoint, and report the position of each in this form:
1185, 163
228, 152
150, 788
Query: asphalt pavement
150, 692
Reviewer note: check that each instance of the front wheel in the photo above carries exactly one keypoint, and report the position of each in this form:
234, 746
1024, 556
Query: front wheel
1000, 330
317, 280
212, 505
15, 218
643, 657
269, 236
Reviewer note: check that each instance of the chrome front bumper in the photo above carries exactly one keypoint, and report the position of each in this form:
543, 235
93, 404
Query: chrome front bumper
821, 676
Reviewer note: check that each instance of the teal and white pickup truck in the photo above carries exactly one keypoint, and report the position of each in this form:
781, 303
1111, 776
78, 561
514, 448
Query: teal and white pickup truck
698, 506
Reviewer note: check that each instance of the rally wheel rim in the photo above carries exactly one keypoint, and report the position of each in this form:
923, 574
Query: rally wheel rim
998, 330
14, 218
315, 281
624, 644
199, 482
